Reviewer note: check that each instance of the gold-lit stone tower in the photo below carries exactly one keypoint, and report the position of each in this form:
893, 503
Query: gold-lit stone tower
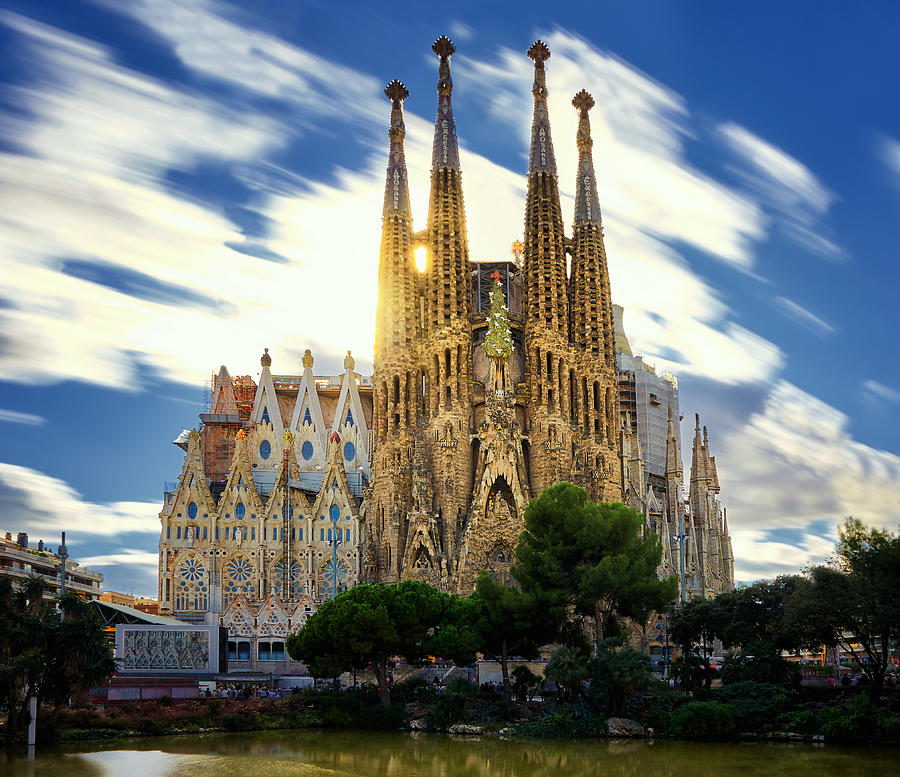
464, 439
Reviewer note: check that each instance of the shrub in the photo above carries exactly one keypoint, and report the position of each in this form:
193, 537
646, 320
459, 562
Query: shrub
755, 704
151, 727
559, 725
703, 720
805, 721
240, 721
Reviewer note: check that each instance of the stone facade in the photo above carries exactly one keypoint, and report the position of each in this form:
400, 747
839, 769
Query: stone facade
463, 440
423, 472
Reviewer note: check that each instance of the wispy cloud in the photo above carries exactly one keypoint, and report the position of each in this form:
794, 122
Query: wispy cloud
461, 31
878, 391
786, 187
34, 502
808, 320
17, 417
889, 151
794, 463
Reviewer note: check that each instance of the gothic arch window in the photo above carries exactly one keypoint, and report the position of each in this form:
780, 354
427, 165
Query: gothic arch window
239, 579
191, 584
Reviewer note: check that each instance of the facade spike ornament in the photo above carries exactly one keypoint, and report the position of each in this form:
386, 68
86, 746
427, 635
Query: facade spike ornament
265, 360
396, 192
445, 150
541, 157
307, 358
349, 361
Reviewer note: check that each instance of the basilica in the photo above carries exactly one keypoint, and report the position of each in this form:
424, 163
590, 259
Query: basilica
492, 381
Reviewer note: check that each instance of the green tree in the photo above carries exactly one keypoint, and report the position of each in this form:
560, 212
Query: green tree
594, 560
857, 597
371, 624
568, 668
511, 622
42, 656
758, 622
617, 672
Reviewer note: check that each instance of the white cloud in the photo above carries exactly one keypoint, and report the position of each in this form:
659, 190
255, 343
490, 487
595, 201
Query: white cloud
34, 503
786, 186
808, 320
793, 463
889, 149
461, 31
18, 417
880, 392
639, 129
128, 556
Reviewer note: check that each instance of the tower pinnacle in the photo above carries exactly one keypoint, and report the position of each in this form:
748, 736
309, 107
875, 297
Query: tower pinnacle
396, 191
541, 157
587, 204
445, 152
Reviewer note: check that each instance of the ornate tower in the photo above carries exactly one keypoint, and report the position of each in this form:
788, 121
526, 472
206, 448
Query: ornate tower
549, 370
446, 349
593, 334
395, 390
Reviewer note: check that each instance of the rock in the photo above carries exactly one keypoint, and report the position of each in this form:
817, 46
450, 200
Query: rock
623, 727
465, 728
418, 724
818, 738
509, 731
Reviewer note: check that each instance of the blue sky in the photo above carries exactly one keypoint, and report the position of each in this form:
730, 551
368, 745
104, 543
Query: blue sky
184, 183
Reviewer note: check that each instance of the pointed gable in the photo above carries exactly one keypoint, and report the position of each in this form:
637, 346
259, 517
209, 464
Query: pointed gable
350, 422
307, 423
240, 499
265, 404
192, 487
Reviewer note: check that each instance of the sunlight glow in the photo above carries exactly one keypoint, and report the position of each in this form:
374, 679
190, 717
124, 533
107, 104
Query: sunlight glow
421, 258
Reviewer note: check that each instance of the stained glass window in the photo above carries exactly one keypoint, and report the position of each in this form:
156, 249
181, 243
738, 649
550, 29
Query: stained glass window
265, 449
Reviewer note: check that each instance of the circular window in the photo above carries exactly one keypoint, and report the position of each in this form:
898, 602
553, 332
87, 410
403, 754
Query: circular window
307, 450
192, 510
349, 451
335, 512
239, 511
265, 449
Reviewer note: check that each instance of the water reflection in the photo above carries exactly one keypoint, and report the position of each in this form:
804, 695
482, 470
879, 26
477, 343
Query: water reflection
365, 754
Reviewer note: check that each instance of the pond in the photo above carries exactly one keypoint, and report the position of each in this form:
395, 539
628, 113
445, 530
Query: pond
365, 754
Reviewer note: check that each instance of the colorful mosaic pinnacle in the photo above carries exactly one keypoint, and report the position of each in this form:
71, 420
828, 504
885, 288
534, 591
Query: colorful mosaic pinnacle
443, 47
396, 92
539, 53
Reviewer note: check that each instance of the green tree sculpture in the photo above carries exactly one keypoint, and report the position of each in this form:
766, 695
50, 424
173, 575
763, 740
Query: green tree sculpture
498, 342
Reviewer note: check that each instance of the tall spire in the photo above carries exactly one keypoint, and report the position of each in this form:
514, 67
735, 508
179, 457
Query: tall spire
587, 204
541, 156
395, 317
447, 267
593, 324
445, 151
396, 188
546, 294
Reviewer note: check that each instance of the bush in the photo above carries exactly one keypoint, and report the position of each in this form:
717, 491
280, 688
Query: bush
703, 720
755, 704
151, 727
240, 721
559, 725
860, 721
805, 721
